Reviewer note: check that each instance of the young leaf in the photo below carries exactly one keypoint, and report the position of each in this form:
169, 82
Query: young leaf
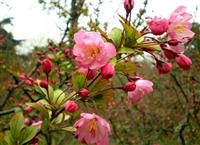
27, 134
126, 67
41, 109
70, 129
115, 35
78, 80
16, 125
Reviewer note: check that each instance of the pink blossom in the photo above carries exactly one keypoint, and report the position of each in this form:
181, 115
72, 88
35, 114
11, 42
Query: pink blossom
179, 25
143, 87
84, 93
90, 51
92, 129
184, 62
158, 26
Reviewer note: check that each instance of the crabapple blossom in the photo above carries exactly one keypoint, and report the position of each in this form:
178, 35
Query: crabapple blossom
90, 51
179, 25
92, 129
129, 86
46, 66
143, 87
84, 93
158, 26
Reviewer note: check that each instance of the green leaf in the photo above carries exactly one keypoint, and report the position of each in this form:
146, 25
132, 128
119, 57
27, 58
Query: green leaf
78, 80
115, 35
126, 50
8, 139
59, 98
27, 134
41, 109
131, 33
150, 46
60, 118
70, 129
126, 67
16, 125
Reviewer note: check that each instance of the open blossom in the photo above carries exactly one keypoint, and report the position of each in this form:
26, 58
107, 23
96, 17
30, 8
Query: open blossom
143, 87
179, 25
90, 51
158, 26
92, 129
184, 62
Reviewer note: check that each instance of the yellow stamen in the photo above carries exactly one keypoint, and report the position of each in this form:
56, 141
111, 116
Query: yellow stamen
91, 51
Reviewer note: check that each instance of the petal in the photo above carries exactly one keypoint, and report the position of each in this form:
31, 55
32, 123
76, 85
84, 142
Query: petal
110, 50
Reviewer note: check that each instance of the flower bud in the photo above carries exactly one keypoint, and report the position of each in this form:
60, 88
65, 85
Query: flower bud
174, 42
184, 62
158, 26
107, 71
39, 124
44, 84
164, 67
84, 93
67, 52
46, 65
22, 76
70, 106
27, 109
28, 82
129, 86
128, 5
91, 74
169, 54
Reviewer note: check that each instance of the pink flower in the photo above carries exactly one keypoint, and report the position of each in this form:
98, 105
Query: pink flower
128, 5
70, 106
143, 87
90, 51
158, 26
92, 129
164, 67
179, 25
107, 71
184, 62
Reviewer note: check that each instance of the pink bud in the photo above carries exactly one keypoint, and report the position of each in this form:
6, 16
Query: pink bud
107, 71
174, 42
26, 121
22, 76
164, 67
46, 65
70, 106
28, 82
129, 86
67, 52
27, 109
128, 5
84, 93
91, 74
19, 105
35, 140
39, 124
44, 84
169, 54
184, 62
158, 26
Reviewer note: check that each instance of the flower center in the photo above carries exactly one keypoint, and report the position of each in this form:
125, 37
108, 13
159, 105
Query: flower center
93, 126
179, 28
91, 51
